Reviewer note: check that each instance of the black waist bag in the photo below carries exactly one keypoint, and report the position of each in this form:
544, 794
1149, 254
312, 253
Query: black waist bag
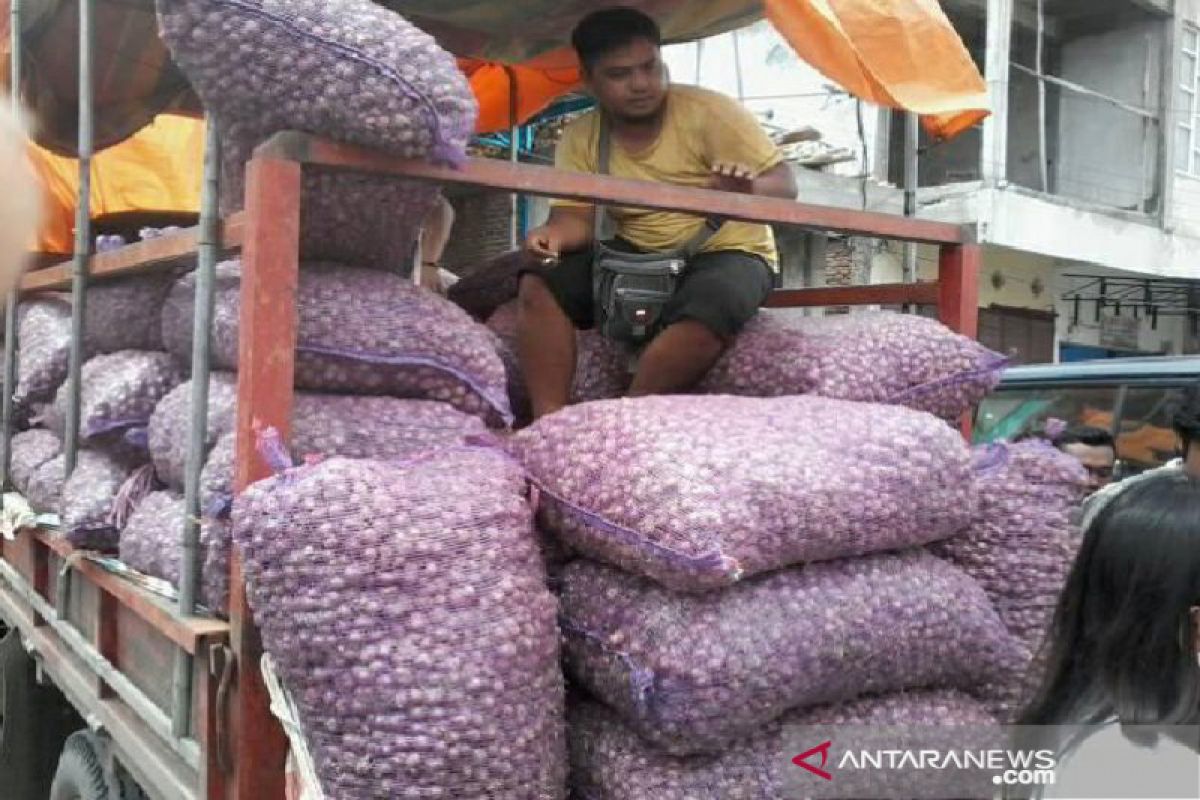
630, 290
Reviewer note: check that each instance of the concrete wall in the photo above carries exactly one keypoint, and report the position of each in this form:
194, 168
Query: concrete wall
1185, 216
1107, 154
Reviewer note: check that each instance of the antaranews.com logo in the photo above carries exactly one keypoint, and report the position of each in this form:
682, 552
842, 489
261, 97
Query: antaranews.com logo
1008, 768
843, 762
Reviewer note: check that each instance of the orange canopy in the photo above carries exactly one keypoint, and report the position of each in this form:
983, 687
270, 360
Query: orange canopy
896, 53
157, 169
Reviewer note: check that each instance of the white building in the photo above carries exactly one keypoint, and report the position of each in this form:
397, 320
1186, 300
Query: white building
1089, 167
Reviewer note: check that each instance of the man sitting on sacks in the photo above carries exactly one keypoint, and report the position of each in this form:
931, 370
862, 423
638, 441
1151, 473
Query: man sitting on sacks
679, 285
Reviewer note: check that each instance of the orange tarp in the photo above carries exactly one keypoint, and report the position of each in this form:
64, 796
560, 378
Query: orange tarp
159, 168
897, 53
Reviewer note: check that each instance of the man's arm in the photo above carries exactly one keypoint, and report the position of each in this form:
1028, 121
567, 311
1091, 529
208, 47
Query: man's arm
568, 229
777, 181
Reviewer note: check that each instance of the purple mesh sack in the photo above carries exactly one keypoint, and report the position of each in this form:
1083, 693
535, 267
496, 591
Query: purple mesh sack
322, 424
364, 332
30, 450
345, 69
692, 673
88, 501
697, 492
601, 365
170, 425
151, 543
406, 608
901, 359
482, 292
610, 762
119, 392
44, 342
1020, 546
124, 314
44, 490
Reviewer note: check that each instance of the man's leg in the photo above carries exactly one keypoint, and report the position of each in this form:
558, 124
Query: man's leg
545, 346
551, 305
720, 293
677, 359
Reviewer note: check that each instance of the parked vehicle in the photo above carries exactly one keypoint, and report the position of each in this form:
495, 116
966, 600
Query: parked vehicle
1130, 397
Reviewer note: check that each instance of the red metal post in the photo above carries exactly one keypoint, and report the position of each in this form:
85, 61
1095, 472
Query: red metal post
266, 367
958, 282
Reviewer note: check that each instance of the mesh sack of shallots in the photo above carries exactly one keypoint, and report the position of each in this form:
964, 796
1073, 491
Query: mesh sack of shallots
89, 500
697, 492
44, 342
170, 425
30, 450
405, 606
610, 762
124, 314
1020, 547
118, 393
601, 365
322, 424
694, 672
44, 489
1021, 542
346, 69
901, 359
484, 291
151, 543
364, 332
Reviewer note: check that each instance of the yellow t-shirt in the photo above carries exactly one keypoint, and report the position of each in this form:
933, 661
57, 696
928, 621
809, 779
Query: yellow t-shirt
701, 128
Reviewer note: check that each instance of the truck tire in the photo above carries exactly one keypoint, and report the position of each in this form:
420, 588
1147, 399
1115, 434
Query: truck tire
80, 775
34, 722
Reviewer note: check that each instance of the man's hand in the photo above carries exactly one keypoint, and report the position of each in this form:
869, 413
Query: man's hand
731, 177
544, 243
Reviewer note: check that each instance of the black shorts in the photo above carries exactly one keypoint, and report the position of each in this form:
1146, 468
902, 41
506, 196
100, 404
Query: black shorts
721, 290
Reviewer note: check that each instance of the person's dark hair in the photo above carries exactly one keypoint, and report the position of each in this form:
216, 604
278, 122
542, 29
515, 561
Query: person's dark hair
1186, 419
603, 31
1122, 643
1086, 435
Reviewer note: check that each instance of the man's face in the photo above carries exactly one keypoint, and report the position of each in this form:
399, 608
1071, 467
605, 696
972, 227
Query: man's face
1098, 461
630, 82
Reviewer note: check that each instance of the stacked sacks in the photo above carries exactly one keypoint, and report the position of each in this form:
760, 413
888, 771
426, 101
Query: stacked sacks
322, 424
698, 492
150, 543
601, 365
1021, 542
44, 337
30, 450
610, 762
363, 332
406, 608
346, 69
695, 673
759, 557
898, 359
120, 315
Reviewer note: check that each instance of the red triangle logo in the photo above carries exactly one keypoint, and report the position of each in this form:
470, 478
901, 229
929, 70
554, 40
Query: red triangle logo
802, 760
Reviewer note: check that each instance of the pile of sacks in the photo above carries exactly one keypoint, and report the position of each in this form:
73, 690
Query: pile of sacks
743, 563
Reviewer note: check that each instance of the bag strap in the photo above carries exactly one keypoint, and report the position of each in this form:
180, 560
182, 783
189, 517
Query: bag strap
603, 167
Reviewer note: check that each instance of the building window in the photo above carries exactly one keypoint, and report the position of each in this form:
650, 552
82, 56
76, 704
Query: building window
1187, 145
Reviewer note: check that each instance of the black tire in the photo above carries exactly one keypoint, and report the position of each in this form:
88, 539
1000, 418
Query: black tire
80, 775
34, 722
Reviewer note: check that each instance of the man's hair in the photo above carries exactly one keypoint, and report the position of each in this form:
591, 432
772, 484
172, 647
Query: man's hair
608, 29
1085, 435
1186, 419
